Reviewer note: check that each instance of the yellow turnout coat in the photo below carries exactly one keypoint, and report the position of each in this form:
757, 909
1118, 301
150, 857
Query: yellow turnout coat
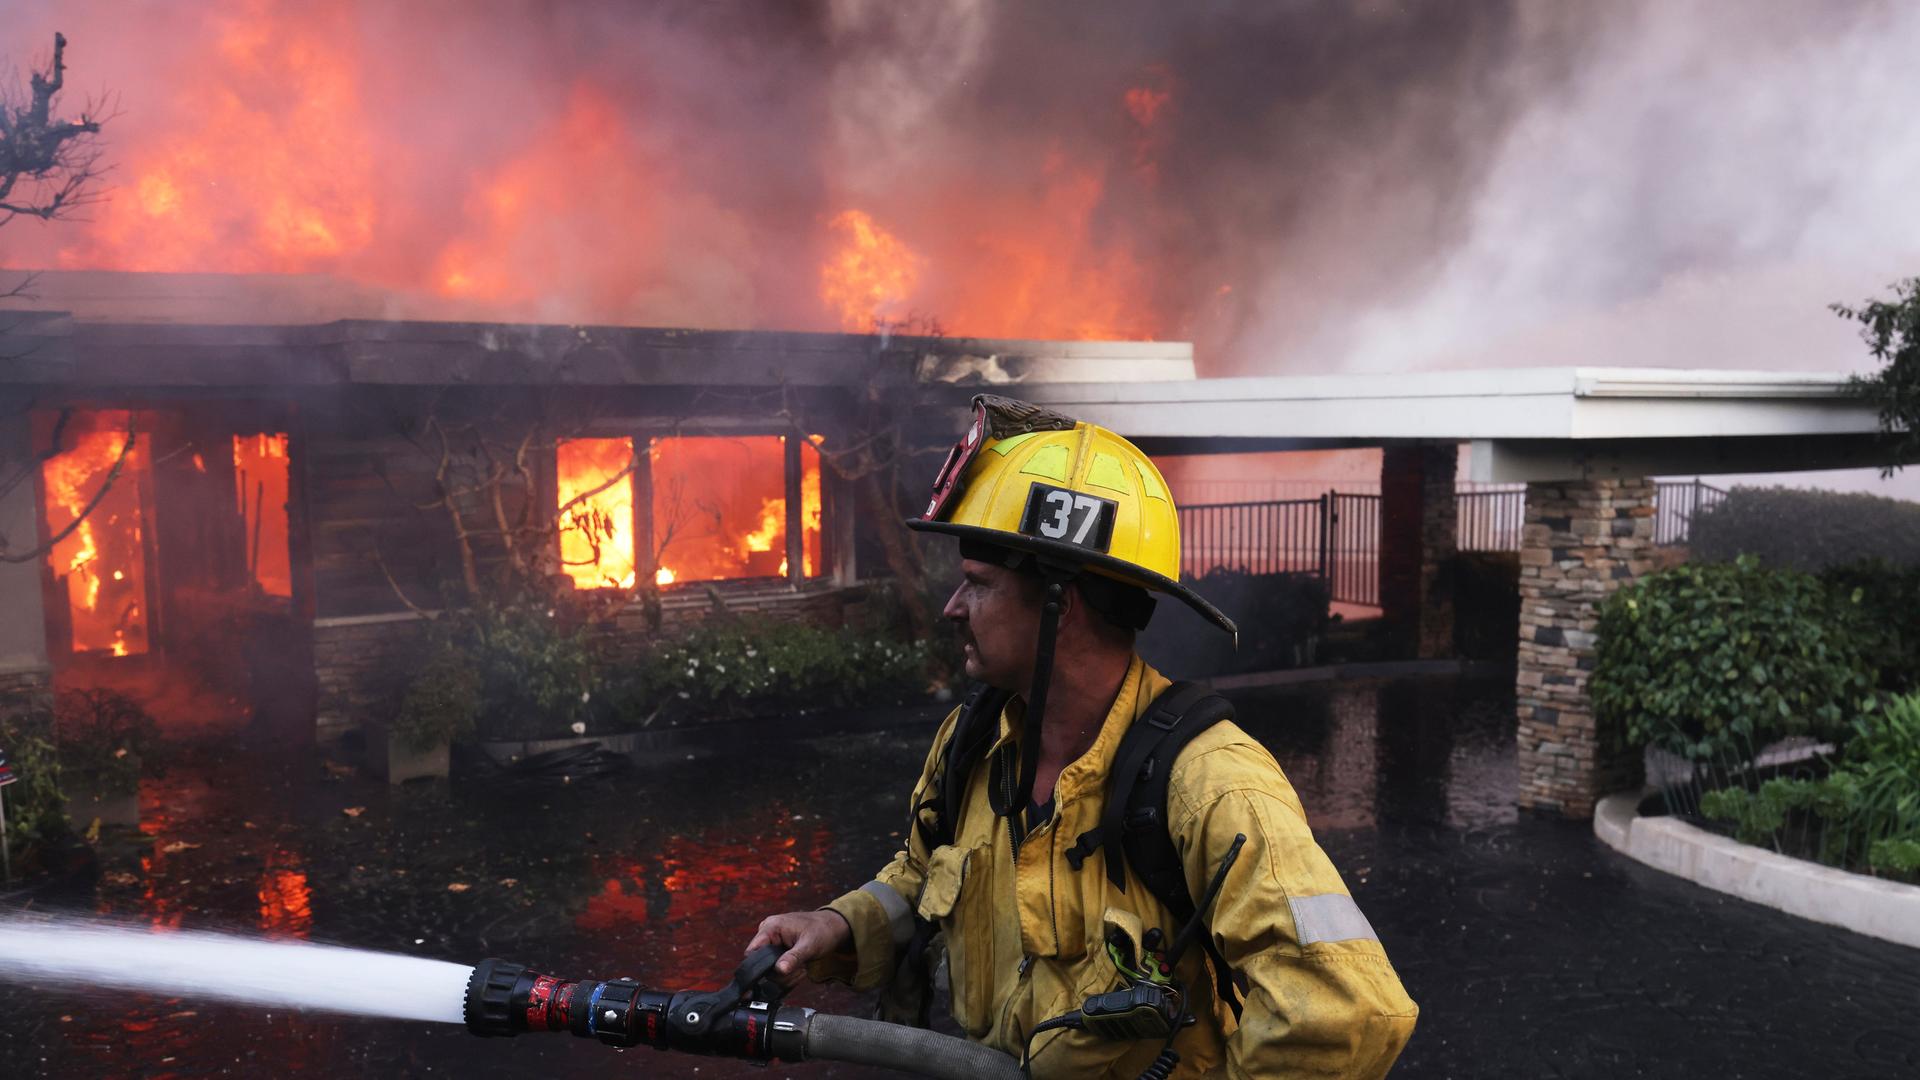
1026, 933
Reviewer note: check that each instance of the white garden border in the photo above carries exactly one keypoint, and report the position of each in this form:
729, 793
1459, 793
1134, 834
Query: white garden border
1887, 910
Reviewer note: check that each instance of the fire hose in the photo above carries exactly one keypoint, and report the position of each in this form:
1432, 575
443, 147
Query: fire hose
743, 1020
746, 1019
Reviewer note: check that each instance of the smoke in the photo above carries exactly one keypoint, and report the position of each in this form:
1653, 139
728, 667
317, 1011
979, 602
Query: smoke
1292, 186
1695, 196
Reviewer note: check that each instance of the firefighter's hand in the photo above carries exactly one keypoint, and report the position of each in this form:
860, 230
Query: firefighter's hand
808, 935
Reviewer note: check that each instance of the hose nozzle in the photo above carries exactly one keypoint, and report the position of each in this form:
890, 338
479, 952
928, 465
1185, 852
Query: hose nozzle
505, 998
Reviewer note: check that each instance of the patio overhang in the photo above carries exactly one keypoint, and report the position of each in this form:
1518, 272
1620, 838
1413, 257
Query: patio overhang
1524, 424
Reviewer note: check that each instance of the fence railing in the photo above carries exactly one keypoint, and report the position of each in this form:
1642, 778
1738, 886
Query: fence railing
1675, 504
1490, 520
1337, 535
1253, 537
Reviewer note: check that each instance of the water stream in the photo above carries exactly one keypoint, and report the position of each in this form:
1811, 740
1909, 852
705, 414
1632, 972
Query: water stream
63, 953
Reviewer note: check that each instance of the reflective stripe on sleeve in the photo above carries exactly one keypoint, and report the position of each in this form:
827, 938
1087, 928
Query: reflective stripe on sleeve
1329, 917
899, 915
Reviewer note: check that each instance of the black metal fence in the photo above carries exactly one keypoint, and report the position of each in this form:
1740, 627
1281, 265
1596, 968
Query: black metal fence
1338, 534
1253, 537
1491, 520
1675, 502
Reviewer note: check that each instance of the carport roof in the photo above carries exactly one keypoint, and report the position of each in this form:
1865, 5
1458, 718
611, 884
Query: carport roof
1526, 424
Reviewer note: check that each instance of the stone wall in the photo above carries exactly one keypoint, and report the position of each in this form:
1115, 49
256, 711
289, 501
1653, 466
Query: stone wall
1581, 541
1419, 520
355, 656
23, 691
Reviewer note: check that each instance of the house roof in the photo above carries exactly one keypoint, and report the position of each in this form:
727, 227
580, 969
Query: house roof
128, 330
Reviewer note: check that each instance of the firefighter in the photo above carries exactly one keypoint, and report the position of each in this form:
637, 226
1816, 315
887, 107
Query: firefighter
1065, 529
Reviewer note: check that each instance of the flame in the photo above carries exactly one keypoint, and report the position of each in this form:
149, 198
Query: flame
274, 143
260, 481
103, 562
515, 250
269, 165
720, 509
596, 534
663, 576
871, 275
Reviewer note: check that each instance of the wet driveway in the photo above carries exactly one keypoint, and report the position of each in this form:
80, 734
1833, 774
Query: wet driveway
1532, 950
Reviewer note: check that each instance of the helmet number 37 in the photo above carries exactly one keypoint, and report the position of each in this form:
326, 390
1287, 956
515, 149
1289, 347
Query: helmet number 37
1074, 517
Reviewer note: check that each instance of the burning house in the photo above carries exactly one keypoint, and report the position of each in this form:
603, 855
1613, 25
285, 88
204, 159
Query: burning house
238, 487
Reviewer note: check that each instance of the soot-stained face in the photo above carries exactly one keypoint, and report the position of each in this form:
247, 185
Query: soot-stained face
997, 611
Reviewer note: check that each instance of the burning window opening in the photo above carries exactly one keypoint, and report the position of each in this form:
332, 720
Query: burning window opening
101, 566
720, 507
596, 533
260, 490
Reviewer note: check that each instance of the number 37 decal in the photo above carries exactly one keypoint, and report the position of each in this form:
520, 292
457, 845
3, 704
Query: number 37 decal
1072, 517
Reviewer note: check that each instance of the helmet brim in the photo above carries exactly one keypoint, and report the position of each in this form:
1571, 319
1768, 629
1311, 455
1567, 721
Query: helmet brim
1072, 553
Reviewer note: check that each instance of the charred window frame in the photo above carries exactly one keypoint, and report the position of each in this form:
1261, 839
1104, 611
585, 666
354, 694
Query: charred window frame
832, 560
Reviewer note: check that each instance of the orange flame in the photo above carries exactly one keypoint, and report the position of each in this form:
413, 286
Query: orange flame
270, 168
871, 275
260, 491
596, 534
102, 562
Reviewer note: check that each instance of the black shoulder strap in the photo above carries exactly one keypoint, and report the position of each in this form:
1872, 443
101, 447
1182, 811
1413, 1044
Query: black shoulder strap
1135, 815
973, 732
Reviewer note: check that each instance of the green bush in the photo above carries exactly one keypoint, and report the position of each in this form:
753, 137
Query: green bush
749, 666
536, 671
1888, 598
1806, 530
1863, 815
1714, 661
36, 803
440, 703
105, 739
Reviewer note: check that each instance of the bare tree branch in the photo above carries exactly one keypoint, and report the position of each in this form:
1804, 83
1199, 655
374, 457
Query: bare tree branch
46, 165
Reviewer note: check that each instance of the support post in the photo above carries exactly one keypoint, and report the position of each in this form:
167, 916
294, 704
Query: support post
1582, 540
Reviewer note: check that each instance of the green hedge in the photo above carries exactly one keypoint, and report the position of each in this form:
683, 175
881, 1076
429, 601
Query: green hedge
1714, 661
731, 667
1888, 597
1806, 530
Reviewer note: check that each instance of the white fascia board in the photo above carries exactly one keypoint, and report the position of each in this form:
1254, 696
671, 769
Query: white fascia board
1705, 417
1527, 403
1520, 403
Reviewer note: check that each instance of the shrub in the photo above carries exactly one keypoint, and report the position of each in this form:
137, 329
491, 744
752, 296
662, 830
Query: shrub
1806, 530
1863, 815
36, 803
105, 738
1888, 598
441, 702
746, 666
535, 671
1712, 662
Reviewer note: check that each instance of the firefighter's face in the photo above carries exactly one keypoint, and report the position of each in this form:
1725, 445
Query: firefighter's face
997, 611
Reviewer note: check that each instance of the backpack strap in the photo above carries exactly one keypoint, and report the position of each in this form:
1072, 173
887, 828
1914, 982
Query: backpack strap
936, 817
1133, 825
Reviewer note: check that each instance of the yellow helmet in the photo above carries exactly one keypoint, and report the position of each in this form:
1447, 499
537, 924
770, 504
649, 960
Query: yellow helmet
1075, 494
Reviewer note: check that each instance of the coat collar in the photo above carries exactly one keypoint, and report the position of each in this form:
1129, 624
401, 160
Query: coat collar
1088, 773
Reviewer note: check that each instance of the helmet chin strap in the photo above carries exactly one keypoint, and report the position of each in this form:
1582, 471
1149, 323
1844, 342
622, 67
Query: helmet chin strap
1037, 697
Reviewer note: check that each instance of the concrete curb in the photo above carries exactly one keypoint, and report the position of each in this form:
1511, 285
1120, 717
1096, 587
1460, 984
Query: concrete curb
1887, 910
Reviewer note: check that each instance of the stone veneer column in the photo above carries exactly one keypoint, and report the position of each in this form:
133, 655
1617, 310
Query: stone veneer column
1582, 540
1419, 520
